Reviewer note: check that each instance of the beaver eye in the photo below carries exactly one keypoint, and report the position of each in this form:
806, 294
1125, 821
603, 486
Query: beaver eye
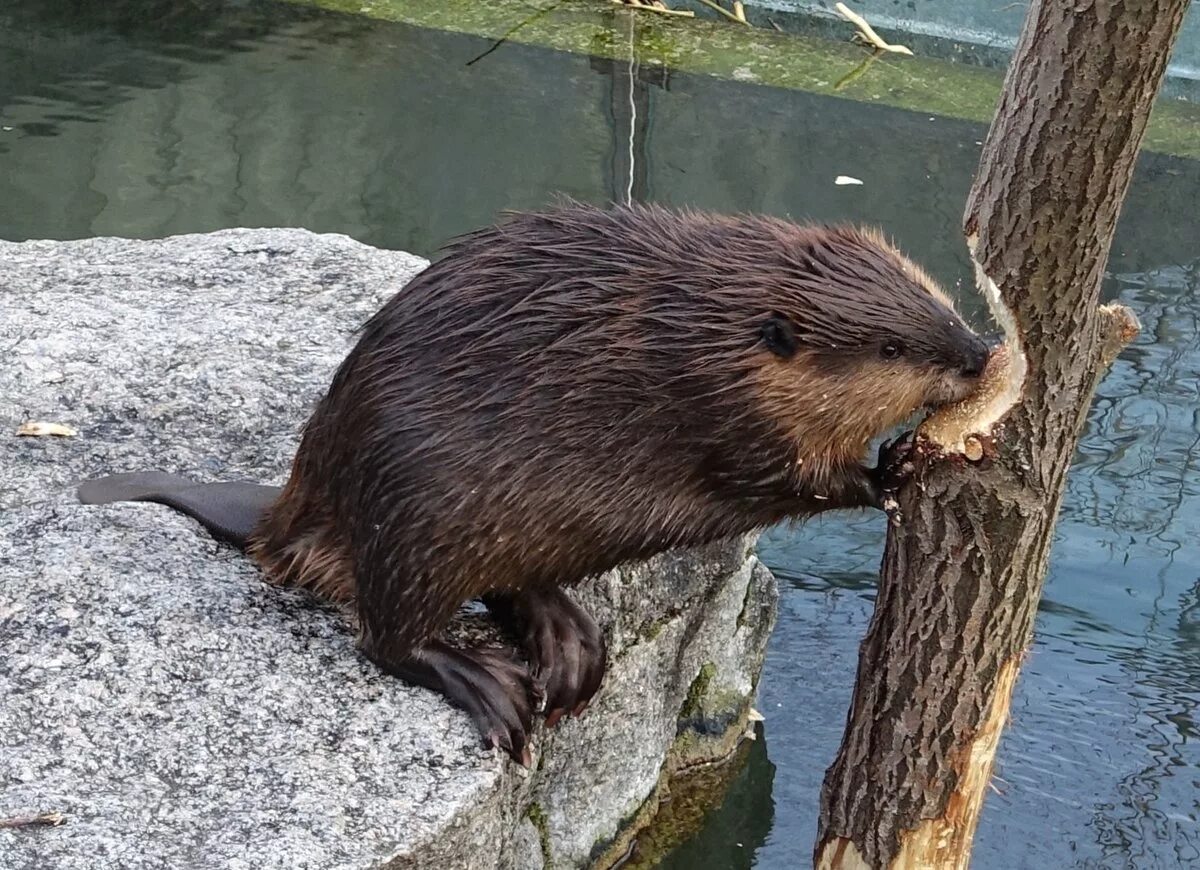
891, 349
778, 335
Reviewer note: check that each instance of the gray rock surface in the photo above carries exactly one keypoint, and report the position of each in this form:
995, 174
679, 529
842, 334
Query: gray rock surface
179, 711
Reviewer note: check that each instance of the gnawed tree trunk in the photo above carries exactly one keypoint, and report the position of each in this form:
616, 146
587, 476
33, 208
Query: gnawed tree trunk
962, 573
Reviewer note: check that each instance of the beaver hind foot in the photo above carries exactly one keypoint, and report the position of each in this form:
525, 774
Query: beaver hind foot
230, 511
566, 648
494, 689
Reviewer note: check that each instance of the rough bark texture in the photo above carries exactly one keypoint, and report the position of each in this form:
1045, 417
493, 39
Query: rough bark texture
962, 575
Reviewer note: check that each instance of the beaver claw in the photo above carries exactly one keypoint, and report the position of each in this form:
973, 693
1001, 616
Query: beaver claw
893, 466
500, 706
564, 644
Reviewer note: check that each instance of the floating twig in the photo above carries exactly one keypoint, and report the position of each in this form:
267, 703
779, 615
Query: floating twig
867, 32
740, 11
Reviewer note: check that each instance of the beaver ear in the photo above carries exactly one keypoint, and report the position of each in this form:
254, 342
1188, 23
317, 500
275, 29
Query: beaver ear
779, 336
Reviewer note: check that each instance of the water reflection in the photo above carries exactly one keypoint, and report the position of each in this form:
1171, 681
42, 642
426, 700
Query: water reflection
150, 118
1127, 558
733, 836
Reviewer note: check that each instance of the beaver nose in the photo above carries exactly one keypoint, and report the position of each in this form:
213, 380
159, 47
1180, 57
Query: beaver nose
976, 361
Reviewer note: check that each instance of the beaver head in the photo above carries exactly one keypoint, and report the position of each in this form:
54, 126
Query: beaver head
858, 336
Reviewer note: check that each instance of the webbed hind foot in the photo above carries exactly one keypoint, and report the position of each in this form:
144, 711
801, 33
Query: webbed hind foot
494, 689
565, 646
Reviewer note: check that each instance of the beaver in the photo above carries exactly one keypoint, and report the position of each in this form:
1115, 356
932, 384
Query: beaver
572, 389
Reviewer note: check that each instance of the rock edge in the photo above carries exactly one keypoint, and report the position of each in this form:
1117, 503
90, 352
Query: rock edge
179, 711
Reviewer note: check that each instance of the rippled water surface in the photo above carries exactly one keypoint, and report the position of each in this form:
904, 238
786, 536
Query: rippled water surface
144, 119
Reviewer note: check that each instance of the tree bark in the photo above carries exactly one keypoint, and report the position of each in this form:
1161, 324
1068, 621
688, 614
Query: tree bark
962, 571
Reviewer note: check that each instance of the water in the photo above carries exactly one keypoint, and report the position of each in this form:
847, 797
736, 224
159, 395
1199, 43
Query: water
145, 119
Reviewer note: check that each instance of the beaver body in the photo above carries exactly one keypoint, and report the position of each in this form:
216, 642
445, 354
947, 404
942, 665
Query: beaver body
571, 390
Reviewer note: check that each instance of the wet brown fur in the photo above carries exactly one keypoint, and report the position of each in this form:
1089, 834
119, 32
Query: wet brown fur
578, 388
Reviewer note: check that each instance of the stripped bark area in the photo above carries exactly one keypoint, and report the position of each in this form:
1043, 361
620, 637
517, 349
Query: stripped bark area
962, 574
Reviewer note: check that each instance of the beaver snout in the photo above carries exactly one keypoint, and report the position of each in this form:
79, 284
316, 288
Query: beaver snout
976, 359
960, 380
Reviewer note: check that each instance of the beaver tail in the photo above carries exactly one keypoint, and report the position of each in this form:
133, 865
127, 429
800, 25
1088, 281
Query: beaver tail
230, 511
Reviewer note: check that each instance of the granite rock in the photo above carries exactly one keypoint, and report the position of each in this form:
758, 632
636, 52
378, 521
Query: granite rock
180, 712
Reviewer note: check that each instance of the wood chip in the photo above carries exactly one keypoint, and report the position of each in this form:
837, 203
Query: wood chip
43, 820
40, 428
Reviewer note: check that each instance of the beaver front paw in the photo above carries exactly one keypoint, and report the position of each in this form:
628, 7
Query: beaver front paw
565, 647
893, 467
894, 463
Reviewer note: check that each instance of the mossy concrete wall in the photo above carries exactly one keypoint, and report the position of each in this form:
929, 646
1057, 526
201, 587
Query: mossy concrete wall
758, 54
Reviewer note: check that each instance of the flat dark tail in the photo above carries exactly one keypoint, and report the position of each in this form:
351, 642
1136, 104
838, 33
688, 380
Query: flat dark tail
230, 511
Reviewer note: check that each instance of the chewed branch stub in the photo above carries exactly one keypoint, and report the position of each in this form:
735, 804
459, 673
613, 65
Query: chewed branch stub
967, 427
957, 428
964, 426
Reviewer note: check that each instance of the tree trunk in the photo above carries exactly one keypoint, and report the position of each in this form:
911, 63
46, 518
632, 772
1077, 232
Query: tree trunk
963, 568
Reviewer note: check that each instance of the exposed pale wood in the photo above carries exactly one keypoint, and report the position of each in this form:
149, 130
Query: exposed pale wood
946, 841
962, 574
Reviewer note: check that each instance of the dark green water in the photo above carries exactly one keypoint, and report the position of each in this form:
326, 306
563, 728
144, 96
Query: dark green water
146, 119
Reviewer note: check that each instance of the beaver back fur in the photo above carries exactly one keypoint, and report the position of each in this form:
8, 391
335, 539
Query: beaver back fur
574, 389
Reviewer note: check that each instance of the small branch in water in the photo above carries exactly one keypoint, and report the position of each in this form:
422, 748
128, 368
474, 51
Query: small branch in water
858, 71
42, 820
868, 33
503, 39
